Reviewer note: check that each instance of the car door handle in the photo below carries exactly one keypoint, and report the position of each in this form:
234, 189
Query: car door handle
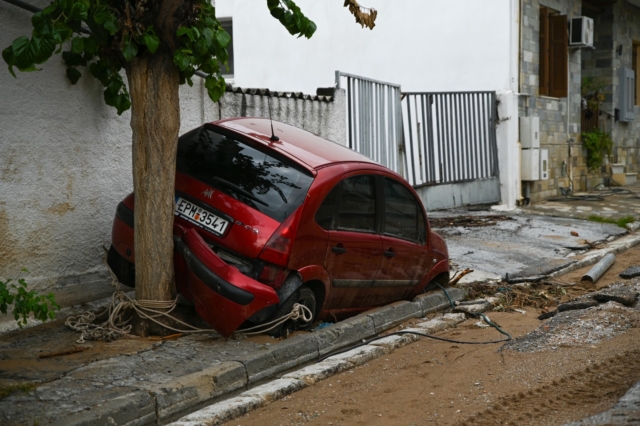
338, 250
390, 253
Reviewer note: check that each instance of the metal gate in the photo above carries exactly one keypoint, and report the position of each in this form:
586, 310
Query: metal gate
450, 140
374, 118
442, 143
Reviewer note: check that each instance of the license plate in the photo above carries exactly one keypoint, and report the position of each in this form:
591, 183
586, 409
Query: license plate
201, 217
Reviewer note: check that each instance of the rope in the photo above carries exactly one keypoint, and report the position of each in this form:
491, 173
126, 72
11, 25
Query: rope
298, 311
119, 315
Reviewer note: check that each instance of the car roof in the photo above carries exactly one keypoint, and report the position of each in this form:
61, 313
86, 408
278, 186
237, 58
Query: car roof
308, 148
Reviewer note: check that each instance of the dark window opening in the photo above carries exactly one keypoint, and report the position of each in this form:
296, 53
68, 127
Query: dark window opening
327, 210
273, 186
357, 209
403, 216
554, 55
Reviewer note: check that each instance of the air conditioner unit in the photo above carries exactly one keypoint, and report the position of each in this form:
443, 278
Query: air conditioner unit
581, 32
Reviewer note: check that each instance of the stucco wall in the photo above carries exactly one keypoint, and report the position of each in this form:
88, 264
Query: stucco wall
554, 132
65, 163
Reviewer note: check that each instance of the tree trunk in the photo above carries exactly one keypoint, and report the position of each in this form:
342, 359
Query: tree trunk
155, 121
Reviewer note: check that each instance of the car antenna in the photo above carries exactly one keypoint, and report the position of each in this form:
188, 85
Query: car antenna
273, 137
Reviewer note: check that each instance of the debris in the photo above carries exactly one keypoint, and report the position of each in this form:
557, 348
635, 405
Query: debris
547, 315
575, 234
631, 272
75, 350
482, 324
459, 275
599, 268
577, 304
626, 300
467, 221
322, 325
522, 311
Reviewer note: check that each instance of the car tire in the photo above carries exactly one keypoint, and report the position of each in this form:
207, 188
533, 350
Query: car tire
121, 267
304, 296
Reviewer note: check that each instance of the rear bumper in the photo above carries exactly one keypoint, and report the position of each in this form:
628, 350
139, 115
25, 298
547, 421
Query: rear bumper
223, 296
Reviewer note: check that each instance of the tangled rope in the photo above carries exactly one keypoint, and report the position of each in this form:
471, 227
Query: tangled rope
121, 306
298, 312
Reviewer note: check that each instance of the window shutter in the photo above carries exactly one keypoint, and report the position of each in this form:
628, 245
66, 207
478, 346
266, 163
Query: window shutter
558, 55
544, 52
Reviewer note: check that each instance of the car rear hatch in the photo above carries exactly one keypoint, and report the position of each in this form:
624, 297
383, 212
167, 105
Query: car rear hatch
240, 199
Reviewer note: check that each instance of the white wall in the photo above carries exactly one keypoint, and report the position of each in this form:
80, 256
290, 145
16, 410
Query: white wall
424, 45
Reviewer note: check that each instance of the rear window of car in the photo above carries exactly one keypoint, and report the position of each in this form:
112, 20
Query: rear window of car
273, 186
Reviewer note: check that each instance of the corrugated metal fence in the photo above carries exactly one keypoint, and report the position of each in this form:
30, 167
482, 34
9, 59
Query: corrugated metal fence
374, 118
450, 137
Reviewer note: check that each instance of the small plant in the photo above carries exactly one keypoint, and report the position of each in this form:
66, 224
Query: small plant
592, 91
621, 222
26, 302
20, 387
598, 144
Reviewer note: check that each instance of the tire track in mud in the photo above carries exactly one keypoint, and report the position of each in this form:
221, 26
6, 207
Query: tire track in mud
558, 402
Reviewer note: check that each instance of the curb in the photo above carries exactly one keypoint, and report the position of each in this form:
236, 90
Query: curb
179, 396
615, 247
161, 403
289, 383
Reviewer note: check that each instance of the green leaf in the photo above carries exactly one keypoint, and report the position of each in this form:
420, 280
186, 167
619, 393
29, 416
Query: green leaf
129, 50
49, 9
111, 25
7, 55
73, 75
101, 15
152, 41
90, 45
47, 47
223, 38
78, 11
77, 44
20, 46
183, 31
41, 24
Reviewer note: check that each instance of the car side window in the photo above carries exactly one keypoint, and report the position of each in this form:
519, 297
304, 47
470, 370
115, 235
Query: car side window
326, 211
357, 209
403, 216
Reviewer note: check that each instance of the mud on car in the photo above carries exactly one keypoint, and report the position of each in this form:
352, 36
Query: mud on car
264, 222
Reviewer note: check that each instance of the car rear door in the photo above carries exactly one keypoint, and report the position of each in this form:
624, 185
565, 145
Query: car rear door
354, 251
405, 259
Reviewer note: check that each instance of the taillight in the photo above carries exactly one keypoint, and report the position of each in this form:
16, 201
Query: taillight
272, 275
278, 248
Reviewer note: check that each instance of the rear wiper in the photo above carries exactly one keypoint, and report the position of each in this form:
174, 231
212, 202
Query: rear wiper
239, 190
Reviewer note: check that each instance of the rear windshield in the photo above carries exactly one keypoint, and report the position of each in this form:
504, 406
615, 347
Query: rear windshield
273, 186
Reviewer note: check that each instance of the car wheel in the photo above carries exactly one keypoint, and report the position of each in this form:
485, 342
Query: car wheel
121, 267
304, 296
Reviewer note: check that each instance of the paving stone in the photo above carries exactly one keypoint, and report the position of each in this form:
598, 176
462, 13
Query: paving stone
276, 389
631, 272
221, 412
137, 408
193, 389
320, 371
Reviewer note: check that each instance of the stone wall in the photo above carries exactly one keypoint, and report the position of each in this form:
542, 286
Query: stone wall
554, 132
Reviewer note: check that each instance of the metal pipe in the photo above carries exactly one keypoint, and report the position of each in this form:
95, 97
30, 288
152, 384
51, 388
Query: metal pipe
599, 268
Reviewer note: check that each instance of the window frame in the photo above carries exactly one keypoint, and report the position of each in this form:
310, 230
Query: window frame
418, 204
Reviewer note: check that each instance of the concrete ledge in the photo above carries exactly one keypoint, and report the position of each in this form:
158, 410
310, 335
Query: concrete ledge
221, 412
394, 314
195, 389
320, 371
276, 389
133, 409
361, 355
433, 302
344, 333
281, 357
618, 246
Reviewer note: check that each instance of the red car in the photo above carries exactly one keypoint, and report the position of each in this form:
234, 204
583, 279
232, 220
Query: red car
264, 220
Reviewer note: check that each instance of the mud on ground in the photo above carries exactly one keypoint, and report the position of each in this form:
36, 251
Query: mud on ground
571, 373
